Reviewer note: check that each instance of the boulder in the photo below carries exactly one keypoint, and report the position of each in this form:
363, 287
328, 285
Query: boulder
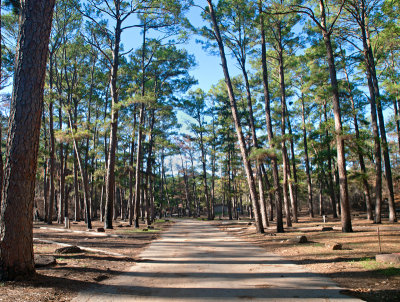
44, 260
299, 239
69, 250
100, 278
334, 246
389, 258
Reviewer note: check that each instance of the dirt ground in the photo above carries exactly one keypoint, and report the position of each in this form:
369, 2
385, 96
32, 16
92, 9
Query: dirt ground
354, 267
116, 251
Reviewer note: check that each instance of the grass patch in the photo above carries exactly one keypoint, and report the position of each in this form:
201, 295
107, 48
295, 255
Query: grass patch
379, 268
390, 271
160, 221
369, 263
202, 219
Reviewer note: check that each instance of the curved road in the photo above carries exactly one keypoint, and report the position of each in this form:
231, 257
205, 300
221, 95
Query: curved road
195, 261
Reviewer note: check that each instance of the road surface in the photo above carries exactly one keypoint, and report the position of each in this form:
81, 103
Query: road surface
195, 261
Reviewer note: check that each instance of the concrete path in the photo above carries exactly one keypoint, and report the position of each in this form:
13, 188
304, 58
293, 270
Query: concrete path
194, 261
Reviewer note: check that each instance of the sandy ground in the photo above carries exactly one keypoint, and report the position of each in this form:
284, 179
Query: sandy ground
353, 267
195, 261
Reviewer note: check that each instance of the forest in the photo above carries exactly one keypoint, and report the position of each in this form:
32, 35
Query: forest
305, 120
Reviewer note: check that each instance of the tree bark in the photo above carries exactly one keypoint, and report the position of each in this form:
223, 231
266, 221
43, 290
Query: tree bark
110, 177
341, 159
292, 183
274, 160
307, 163
359, 151
62, 204
382, 129
359, 13
235, 116
261, 200
283, 129
16, 223
83, 175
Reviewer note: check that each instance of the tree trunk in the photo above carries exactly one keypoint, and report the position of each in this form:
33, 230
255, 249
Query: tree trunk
293, 183
274, 160
385, 146
52, 165
341, 160
149, 166
138, 166
205, 185
1, 139
83, 175
229, 197
66, 203
16, 223
76, 183
131, 170
331, 185
308, 172
261, 200
242, 143
62, 205
110, 177
45, 170
283, 130
359, 151
374, 122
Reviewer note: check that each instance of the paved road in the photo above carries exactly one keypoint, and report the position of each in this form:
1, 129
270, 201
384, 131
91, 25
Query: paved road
194, 261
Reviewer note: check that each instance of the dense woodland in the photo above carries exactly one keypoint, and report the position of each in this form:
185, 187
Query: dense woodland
307, 125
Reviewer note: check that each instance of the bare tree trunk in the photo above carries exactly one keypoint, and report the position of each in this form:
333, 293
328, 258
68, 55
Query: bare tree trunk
261, 200
110, 177
331, 185
321, 200
229, 197
274, 160
292, 184
66, 203
242, 143
283, 129
1, 139
359, 151
16, 222
62, 205
385, 146
149, 166
138, 167
374, 122
308, 172
52, 164
83, 175
45, 170
76, 184
341, 160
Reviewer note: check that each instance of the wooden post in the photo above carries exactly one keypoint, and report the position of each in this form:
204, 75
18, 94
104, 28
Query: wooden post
379, 241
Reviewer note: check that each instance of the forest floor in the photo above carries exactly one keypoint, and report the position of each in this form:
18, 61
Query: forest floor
353, 267
112, 253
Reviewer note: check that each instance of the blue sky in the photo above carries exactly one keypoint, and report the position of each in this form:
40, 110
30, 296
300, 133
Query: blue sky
208, 70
